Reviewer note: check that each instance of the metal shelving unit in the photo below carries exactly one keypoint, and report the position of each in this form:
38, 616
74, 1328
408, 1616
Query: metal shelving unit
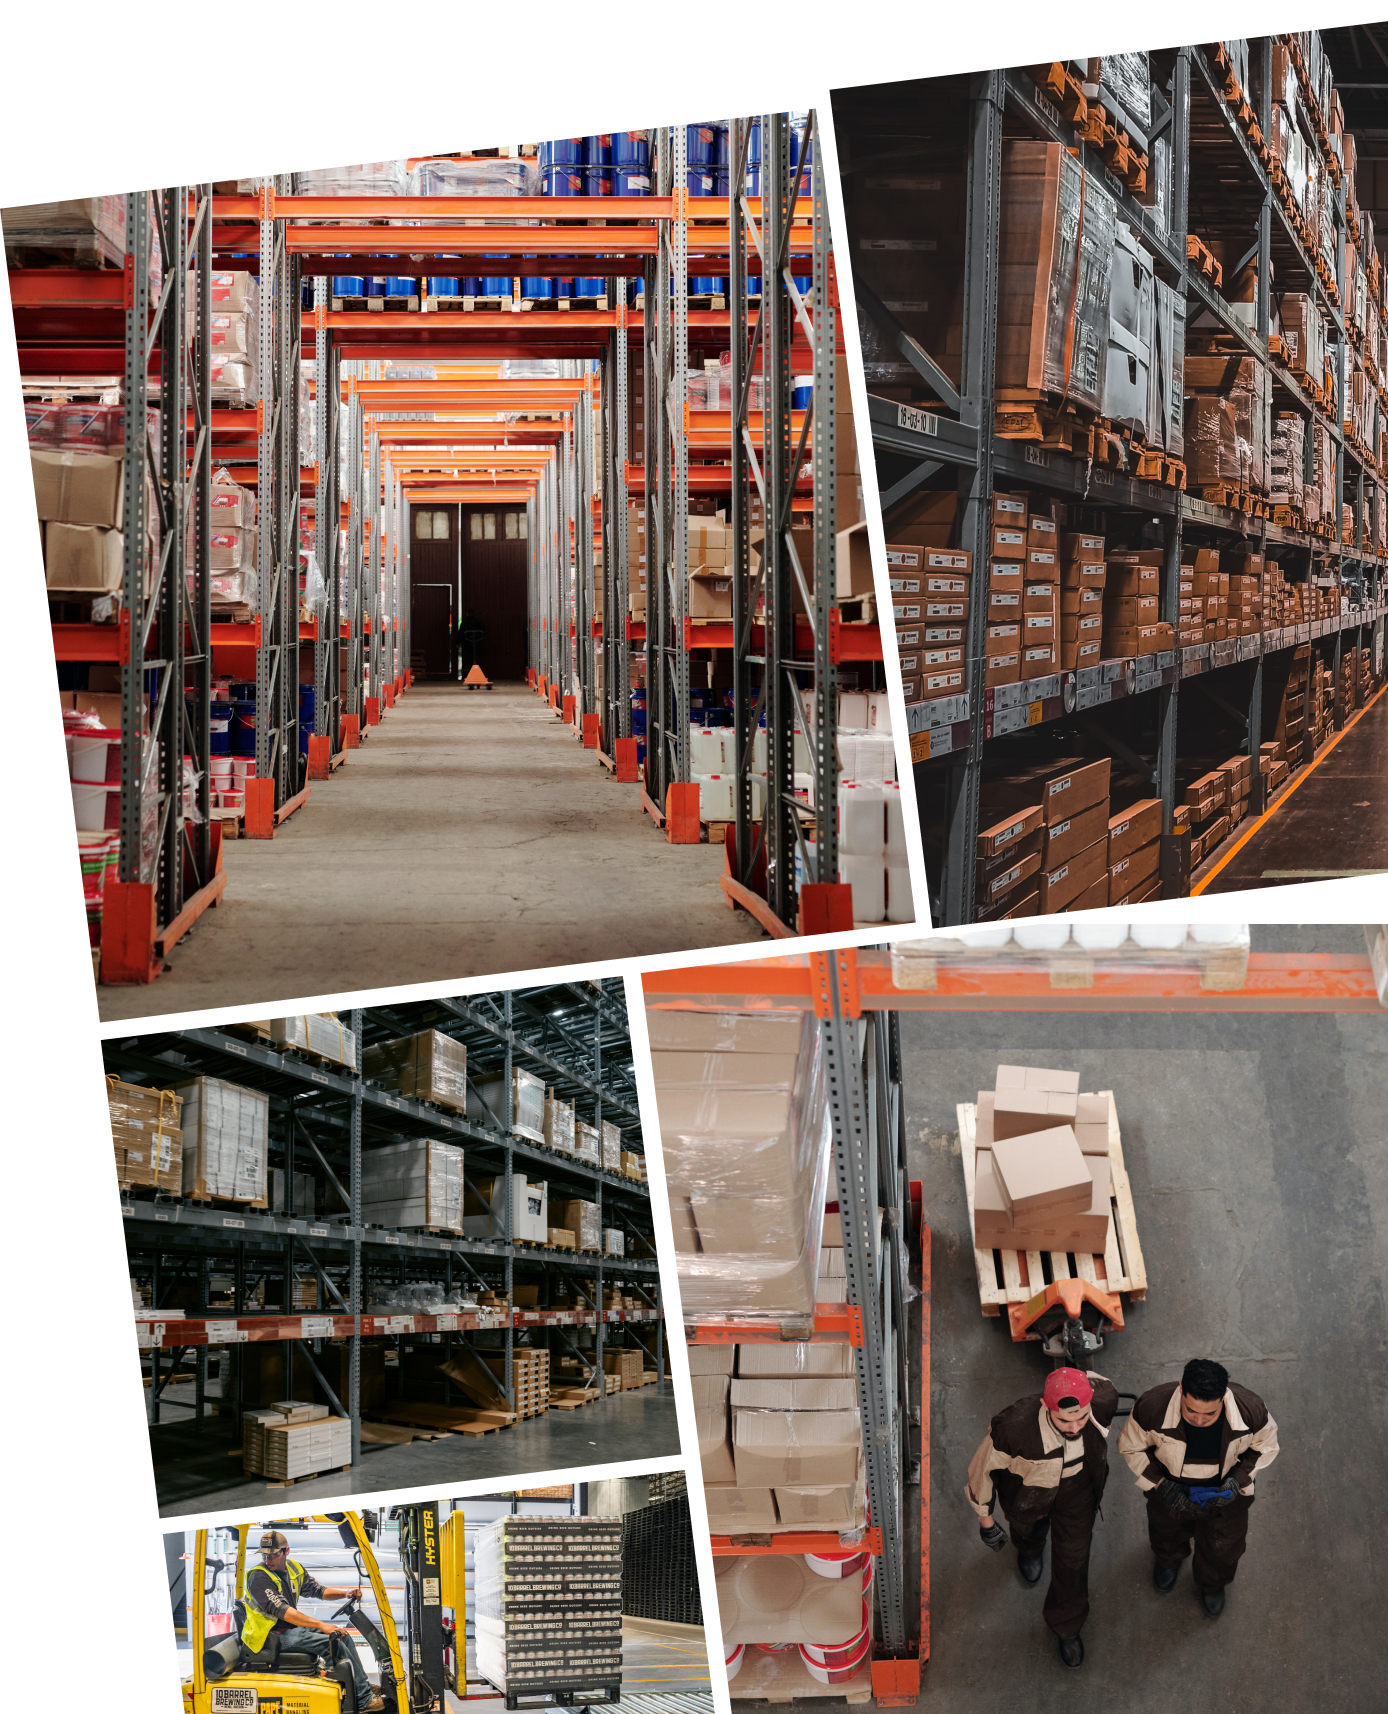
953, 440
147, 323
323, 1120
884, 1261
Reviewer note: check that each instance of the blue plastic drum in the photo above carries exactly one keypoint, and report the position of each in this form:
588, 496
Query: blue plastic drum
721, 136
220, 729
470, 286
597, 151
400, 286
243, 729
700, 181
631, 181
534, 287
588, 286
802, 392
445, 286
349, 286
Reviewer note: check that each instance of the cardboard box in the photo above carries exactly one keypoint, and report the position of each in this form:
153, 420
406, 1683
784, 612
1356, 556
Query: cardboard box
726, 1032
1133, 827
1002, 639
78, 487
1038, 661
794, 1359
1010, 509
1008, 541
1082, 600
83, 558
710, 594
903, 556
1131, 642
581, 1218
794, 1393
939, 637
429, 1066
1007, 832
816, 1508
708, 1389
715, 1443
711, 1359
1003, 880
1076, 833
1130, 871
1020, 1112
1041, 1175
1059, 886
1070, 786
1081, 545
1043, 565
853, 562
798, 1449
1002, 669
1091, 1124
733, 1510
1004, 606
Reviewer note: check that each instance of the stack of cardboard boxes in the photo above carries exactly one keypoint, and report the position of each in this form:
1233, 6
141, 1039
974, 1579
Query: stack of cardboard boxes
486, 1103
1041, 1164
234, 299
146, 1131
232, 551
80, 501
745, 1130
414, 1183
1134, 853
1083, 578
430, 1067
1131, 605
226, 1139
1044, 846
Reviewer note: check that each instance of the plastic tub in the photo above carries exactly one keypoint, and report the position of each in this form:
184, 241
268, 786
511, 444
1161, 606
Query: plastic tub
95, 806
1216, 934
801, 392
243, 767
1159, 936
1041, 936
94, 755
836, 1565
732, 1661
1099, 936
843, 1668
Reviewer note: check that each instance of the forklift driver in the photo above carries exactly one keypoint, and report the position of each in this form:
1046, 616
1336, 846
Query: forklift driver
272, 1591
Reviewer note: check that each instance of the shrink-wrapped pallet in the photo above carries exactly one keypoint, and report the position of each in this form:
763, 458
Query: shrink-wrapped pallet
414, 1183
429, 1066
145, 1129
316, 1033
487, 1103
226, 1137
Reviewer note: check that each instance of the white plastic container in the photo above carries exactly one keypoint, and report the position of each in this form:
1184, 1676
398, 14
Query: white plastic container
900, 904
88, 754
862, 820
838, 1565
90, 804
1099, 936
1159, 936
868, 878
715, 796
896, 823
853, 709
1217, 934
732, 1661
1042, 936
707, 753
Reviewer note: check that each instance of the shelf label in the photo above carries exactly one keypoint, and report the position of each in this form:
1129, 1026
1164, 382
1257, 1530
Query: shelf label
1048, 111
164, 1216
1101, 478
446, 1323
235, 1047
918, 421
321, 1077
149, 1334
396, 1324
316, 1327
1034, 713
390, 1237
226, 1333
1034, 455
227, 1220
127, 1212
318, 1231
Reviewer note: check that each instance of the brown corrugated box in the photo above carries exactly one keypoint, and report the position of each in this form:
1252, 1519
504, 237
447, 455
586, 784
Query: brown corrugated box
78, 487
1086, 1232
1008, 831
1091, 1124
1075, 834
711, 1359
1071, 786
794, 1359
799, 1449
715, 1447
1038, 661
824, 1508
1059, 886
1134, 868
723, 1032
1133, 828
1041, 1175
1002, 669
794, 1393
738, 1510
1008, 541
710, 1388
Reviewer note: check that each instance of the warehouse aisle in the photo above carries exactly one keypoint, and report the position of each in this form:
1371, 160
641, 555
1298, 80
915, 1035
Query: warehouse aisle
193, 1473
1259, 1253
1333, 825
470, 835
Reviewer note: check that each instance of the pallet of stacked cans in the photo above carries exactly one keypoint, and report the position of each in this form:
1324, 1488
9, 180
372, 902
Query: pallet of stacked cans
547, 1608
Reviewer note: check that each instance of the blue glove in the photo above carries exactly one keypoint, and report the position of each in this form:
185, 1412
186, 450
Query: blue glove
1215, 1499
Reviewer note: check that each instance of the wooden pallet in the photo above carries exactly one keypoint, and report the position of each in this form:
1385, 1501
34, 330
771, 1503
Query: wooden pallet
1157, 466
452, 1419
573, 1398
1120, 1268
377, 305
466, 306
560, 305
784, 1678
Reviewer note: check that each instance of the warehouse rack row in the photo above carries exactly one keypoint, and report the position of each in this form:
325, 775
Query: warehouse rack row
331, 1267
885, 1318
1193, 176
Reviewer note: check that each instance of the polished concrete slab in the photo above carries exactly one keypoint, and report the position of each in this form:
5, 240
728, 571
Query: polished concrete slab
470, 835
1256, 1149
1333, 825
195, 1472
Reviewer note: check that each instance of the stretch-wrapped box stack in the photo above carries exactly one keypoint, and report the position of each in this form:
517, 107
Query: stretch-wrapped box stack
415, 1183
430, 1066
226, 1135
547, 1603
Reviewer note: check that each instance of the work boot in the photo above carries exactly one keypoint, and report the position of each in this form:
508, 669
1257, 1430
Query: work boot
1029, 1568
1212, 1600
1164, 1576
1071, 1651
375, 1705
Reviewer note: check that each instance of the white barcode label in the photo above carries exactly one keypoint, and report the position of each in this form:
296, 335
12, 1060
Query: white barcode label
446, 1323
228, 1221
316, 1327
226, 1333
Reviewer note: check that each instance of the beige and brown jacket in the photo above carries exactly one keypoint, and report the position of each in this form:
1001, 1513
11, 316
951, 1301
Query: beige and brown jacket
1019, 1464
1153, 1440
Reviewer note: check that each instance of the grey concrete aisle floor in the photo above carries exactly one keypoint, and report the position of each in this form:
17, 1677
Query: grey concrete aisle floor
470, 834
1255, 1146
194, 1473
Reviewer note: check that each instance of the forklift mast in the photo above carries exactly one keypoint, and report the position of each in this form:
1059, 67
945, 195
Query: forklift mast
421, 1557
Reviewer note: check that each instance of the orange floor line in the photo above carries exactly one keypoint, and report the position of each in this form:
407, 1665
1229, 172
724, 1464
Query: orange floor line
1296, 785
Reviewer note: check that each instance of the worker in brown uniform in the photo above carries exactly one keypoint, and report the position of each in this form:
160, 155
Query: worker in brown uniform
1195, 1446
1044, 1460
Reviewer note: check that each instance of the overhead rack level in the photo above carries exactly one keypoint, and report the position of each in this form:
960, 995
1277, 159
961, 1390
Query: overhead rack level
313, 1259
1186, 155
885, 1318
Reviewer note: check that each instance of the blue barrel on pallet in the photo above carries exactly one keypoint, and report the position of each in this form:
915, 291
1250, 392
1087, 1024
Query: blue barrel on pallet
588, 286
720, 181
400, 286
631, 181
597, 150
307, 705
721, 143
242, 690
243, 728
219, 729
631, 149
562, 152
445, 286
701, 144
700, 180
349, 286
562, 181
754, 144
532, 286
494, 285
801, 392
375, 285
804, 283
752, 184
564, 285
706, 285
597, 181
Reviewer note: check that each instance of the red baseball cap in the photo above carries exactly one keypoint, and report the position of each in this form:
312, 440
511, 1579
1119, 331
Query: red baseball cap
1062, 1384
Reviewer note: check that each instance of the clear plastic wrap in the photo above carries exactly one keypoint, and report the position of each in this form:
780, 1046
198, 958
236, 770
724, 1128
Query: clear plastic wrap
611, 1146
430, 1066
1218, 951
316, 1033
746, 1143
147, 1135
487, 1103
1127, 78
499, 175
547, 1603
587, 1143
226, 1137
235, 589
93, 227
558, 1125
366, 178
414, 1183
583, 1220
531, 369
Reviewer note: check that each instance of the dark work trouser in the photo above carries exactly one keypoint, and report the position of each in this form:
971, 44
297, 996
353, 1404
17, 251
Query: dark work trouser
1219, 1539
1070, 1525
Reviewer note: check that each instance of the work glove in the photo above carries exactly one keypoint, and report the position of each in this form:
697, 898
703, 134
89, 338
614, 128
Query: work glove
995, 1536
1175, 1499
1226, 1495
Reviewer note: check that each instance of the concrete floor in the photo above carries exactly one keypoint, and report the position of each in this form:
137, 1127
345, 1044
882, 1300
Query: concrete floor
470, 835
1255, 1146
195, 1473
1333, 825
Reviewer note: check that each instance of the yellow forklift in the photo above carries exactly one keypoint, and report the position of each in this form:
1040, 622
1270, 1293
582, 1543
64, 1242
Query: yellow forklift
229, 1678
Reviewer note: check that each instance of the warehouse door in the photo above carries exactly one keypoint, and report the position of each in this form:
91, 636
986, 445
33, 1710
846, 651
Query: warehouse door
496, 558
433, 587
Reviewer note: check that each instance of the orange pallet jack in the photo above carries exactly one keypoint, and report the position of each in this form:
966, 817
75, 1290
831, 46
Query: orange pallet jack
476, 680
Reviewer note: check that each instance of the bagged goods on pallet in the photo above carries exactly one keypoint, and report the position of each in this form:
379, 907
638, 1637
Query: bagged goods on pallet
745, 1125
414, 1183
317, 1033
486, 1103
429, 1066
1059, 235
547, 1603
226, 1140
147, 1135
